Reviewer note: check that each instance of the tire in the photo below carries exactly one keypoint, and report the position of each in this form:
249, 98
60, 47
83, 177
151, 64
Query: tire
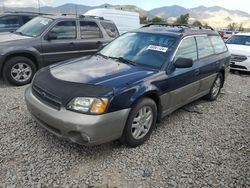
215, 89
135, 124
19, 71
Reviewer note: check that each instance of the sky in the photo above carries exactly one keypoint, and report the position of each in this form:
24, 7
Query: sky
243, 5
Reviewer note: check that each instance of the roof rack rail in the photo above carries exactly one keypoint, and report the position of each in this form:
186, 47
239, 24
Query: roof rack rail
181, 27
95, 17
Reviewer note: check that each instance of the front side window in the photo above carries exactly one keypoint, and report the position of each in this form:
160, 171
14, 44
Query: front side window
205, 47
239, 40
143, 49
187, 49
218, 44
9, 22
90, 30
110, 29
35, 27
64, 30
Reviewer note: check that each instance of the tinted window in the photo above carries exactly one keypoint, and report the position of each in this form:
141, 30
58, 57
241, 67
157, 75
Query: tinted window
144, 49
9, 22
110, 29
35, 27
218, 44
204, 46
65, 30
90, 30
187, 49
27, 18
240, 40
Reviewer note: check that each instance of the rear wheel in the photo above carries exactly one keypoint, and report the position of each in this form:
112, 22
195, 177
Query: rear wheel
215, 89
140, 123
19, 71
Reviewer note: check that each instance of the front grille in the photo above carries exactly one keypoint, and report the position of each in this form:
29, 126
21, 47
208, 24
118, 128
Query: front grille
238, 58
46, 97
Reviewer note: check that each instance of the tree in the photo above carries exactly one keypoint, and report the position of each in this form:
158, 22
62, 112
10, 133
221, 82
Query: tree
157, 20
143, 20
232, 26
241, 28
183, 19
197, 23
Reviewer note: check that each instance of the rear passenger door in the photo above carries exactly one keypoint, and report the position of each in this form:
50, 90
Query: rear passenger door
207, 62
91, 38
63, 46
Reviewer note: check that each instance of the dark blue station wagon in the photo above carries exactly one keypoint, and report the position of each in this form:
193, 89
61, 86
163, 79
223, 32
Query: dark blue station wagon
129, 85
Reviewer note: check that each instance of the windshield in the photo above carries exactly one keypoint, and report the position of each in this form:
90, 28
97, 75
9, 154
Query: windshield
240, 40
35, 27
145, 49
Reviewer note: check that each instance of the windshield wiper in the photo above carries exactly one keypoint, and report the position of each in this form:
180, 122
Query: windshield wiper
123, 60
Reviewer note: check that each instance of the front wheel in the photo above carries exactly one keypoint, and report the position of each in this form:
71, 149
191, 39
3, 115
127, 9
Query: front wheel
140, 123
215, 89
19, 71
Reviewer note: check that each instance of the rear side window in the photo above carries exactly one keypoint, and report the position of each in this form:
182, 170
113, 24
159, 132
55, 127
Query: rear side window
205, 47
110, 29
65, 30
90, 30
218, 44
187, 49
9, 22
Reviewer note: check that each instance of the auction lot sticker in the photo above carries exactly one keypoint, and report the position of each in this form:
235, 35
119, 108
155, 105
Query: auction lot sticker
157, 48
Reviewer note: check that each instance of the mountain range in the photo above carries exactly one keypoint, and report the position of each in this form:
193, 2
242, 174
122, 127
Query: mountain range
215, 16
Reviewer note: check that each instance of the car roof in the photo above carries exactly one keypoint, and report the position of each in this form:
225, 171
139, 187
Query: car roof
176, 30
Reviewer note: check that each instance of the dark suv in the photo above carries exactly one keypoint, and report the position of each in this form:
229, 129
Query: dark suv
49, 39
135, 80
11, 21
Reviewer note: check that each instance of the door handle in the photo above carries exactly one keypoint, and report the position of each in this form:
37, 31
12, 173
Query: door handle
71, 44
197, 72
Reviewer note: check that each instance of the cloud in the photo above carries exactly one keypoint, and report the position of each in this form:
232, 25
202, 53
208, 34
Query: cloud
24, 3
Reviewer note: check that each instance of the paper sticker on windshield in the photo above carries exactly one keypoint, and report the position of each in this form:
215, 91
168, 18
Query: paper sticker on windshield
157, 48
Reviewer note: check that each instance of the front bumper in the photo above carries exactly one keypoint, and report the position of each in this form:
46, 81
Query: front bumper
79, 128
241, 66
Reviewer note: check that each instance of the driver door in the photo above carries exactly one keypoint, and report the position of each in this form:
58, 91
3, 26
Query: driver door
63, 45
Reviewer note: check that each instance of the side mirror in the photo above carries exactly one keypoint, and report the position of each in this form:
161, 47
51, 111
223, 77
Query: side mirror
183, 63
51, 36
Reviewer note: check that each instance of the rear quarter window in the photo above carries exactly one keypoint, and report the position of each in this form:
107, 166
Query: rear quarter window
205, 47
218, 44
110, 29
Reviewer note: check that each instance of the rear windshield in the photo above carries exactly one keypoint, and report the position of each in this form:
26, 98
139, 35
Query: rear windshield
110, 29
144, 49
240, 40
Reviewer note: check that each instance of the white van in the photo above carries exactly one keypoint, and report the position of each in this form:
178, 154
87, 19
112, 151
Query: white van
125, 21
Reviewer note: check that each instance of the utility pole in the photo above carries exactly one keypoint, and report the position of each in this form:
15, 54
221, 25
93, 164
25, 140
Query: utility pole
39, 8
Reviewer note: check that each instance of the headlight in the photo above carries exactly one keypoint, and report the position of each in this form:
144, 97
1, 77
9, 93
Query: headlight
88, 105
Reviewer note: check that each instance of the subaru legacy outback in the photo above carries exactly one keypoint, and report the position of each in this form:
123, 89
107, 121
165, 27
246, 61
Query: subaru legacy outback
49, 39
120, 92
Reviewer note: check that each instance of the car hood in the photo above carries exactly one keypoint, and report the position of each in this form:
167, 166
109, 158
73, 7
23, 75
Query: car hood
9, 37
239, 49
97, 70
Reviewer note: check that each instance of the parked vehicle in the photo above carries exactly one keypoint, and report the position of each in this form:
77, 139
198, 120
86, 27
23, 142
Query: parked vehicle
239, 46
135, 80
124, 20
49, 39
11, 21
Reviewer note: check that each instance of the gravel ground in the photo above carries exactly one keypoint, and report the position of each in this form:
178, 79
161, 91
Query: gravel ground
205, 144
